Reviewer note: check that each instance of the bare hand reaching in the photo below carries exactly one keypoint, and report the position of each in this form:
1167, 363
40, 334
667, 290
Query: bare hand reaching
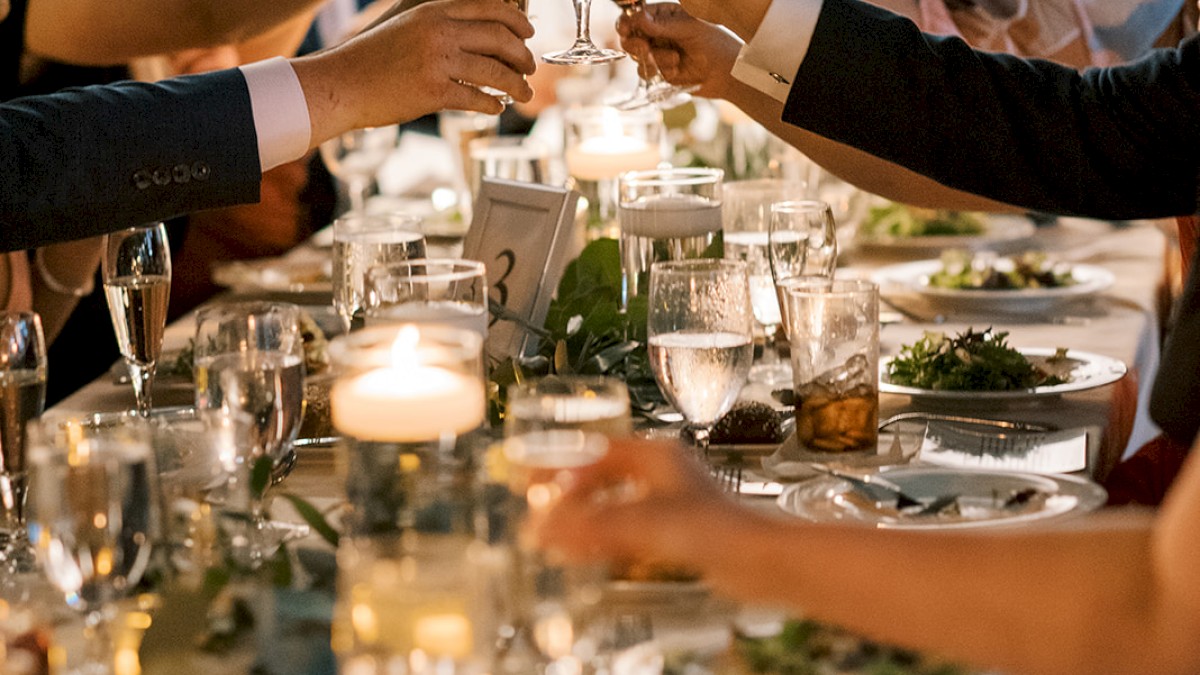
688, 51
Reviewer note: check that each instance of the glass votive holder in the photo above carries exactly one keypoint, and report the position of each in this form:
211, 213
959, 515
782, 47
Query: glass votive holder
601, 143
403, 395
585, 403
833, 328
429, 291
665, 214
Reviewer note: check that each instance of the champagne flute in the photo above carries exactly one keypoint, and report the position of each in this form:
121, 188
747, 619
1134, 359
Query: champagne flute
94, 515
362, 241
653, 89
584, 50
250, 361
355, 156
701, 337
137, 284
22, 398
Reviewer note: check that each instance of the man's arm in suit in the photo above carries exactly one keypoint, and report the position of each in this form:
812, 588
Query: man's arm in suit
1120, 142
92, 160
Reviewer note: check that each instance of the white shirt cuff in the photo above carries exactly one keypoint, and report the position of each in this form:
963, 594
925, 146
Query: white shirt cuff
770, 60
280, 111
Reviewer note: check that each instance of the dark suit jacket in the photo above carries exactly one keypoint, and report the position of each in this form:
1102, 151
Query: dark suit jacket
91, 160
1117, 143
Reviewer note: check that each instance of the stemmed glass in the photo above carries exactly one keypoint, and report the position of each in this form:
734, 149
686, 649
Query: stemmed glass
701, 337
250, 360
653, 88
137, 284
362, 241
355, 156
803, 240
746, 215
584, 50
22, 397
94, 515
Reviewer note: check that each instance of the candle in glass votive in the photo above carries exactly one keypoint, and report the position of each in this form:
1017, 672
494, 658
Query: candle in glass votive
443, 635
608, 156
407, 401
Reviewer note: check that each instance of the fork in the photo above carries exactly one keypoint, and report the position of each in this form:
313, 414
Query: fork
728, 473
962, 419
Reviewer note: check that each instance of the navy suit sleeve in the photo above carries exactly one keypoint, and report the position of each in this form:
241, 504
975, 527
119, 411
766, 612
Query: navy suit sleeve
1120, 142
91, 160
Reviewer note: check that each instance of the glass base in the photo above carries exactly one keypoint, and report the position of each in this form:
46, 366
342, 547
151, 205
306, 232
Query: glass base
774, 375
581, 53
663, 95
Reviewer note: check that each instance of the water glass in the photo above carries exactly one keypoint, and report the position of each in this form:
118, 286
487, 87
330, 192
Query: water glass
137, 284
458, 128
833, 328
363, 241
94, 516
701, 337
803, 239
582, 402
22, 398
429, 291
510, 158
601, 143
665, 214
746, 215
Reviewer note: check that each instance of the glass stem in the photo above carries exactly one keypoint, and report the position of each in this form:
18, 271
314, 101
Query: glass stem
98, 651
583, 30
142, 378
357, 187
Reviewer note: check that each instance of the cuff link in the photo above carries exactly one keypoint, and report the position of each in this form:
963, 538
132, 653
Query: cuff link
779, 78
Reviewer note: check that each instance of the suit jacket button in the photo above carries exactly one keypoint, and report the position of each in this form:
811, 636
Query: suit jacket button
141, 178
181, 173
162, 176
200, 171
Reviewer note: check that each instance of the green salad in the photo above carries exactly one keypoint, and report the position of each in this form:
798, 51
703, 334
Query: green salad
900, 220
811, 648
970, 361
986, 271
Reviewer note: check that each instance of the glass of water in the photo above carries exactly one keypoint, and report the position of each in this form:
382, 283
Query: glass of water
665, 214
746, 214
701, 337
440, 291
584, 402
362, 241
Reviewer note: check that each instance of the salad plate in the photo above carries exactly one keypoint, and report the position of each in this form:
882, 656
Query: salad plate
1081, 370
915, 277
998, 231
980, 498
283, 275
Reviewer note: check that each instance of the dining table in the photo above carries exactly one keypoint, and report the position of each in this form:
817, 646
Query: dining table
1123, 322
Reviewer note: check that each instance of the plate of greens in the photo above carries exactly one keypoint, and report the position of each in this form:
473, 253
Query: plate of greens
1030, 282
897, 227
979, 366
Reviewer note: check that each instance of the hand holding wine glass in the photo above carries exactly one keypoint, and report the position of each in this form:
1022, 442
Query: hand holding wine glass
653, 88
22, 397
137, 284
701, 337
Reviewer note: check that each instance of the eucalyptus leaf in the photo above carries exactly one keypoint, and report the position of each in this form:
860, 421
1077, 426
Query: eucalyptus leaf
608, 359
313, 516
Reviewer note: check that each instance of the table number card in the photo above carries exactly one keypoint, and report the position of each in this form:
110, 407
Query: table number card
522, 232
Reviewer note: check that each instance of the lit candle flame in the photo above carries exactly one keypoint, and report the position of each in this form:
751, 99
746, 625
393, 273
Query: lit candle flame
404, 349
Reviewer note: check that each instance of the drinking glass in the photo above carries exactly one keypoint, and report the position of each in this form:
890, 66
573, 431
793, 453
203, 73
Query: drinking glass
653, 89
583, 50
583, 402
458, 128
250, 360
509, 157
833, 328
701, 337
22, 398
137, 284
665, 214
803, 239
362, 241
439, 291
746, 216
94, 515
355, 156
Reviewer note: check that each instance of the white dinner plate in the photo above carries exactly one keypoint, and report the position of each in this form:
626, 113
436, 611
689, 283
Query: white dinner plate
1001, 231
1083, 371
282, 275
980, 498
914, 277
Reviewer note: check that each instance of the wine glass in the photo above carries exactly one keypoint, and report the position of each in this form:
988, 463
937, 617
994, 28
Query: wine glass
803, 239
137, 284
94, 515
746, 216
584, 50
362, 241
355, 156
250, 360
653, 89
701, 337
22, 397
